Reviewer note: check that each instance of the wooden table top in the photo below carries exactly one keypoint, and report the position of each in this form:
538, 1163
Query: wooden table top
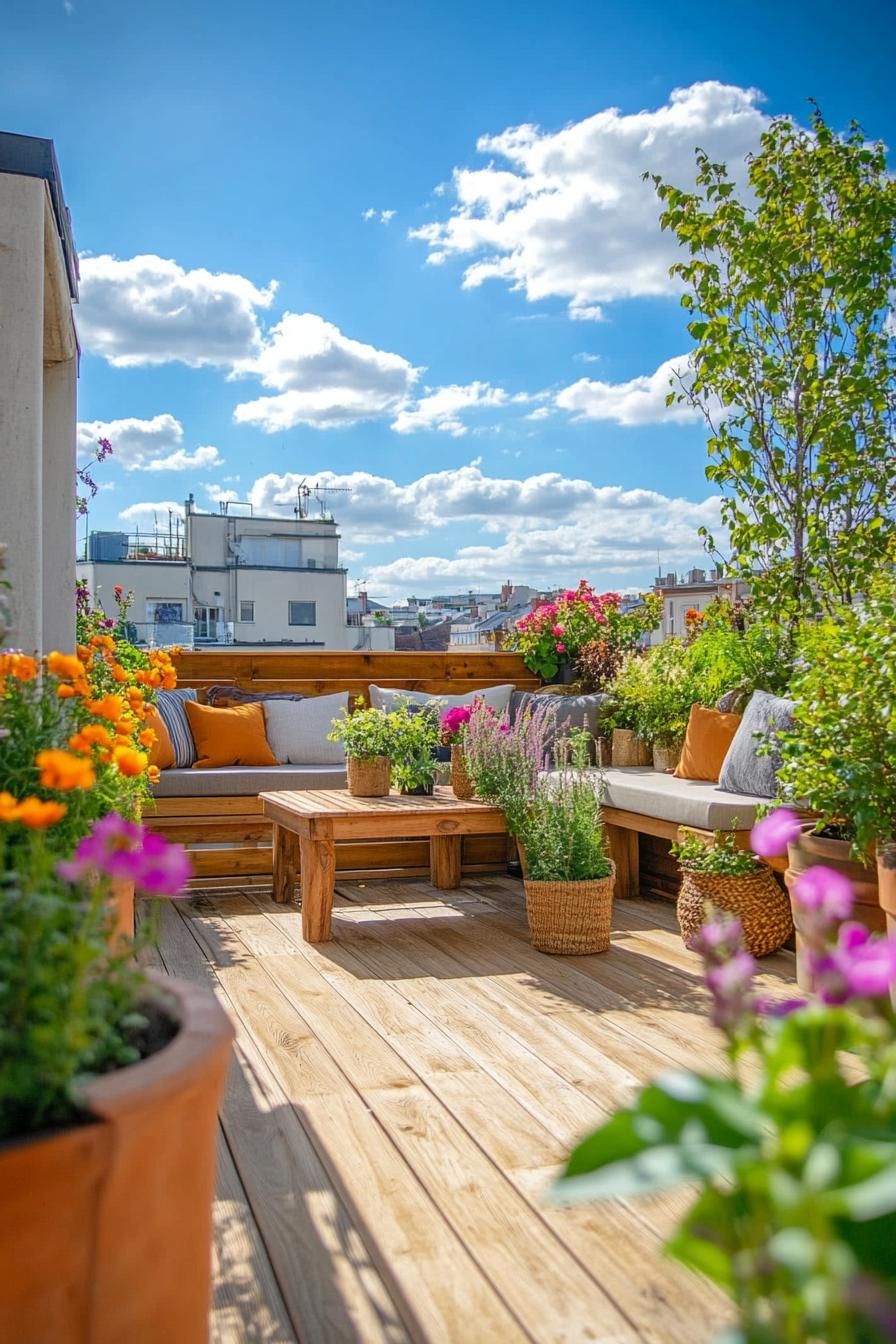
341, 803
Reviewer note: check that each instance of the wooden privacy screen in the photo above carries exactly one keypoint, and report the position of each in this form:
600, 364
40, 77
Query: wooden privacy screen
228, 838
313, 673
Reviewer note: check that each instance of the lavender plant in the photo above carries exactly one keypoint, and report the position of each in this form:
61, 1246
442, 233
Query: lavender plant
795, 1151
504, 758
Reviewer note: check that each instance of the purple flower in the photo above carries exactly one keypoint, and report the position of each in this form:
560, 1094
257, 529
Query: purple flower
731, 984
717, 939
856, 967
825, 893
774, 833
777, 1007
116, 848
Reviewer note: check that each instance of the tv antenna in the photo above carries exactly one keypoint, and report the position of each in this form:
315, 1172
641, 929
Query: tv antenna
305, 493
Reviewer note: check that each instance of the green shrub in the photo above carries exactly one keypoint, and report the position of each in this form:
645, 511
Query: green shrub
364, 733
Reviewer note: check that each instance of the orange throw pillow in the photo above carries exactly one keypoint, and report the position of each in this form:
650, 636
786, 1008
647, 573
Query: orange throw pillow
161, 753
706, 743
228, 736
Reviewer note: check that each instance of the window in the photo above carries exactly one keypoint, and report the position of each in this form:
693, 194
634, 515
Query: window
164, 612
247, 612
303, 613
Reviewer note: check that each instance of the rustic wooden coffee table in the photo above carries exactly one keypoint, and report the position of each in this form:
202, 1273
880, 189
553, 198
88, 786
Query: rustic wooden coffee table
308, 823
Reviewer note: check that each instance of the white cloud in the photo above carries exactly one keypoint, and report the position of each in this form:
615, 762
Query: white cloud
369, 213
586, 312
149, 513
145, 445
540, 413
383, 216
441, 408
217, 495
583, 357
640, 401
324, 379
565, 213
149, 310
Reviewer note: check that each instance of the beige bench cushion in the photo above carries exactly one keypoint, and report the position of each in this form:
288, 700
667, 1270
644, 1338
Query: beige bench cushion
246, 780
686, 802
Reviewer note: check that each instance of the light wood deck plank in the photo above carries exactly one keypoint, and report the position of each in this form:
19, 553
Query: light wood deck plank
402, 1100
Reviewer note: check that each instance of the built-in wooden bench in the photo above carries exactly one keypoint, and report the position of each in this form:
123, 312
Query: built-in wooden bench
228, 837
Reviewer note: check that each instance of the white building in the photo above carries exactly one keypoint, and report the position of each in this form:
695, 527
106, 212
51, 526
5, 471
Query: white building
694, 590
231, 578
38, 390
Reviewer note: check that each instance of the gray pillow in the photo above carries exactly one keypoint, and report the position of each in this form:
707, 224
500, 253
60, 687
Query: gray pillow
170, 705
297, 730
570, 711
743, 771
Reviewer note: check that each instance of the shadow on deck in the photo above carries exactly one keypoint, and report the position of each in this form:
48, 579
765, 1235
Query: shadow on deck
401, 1098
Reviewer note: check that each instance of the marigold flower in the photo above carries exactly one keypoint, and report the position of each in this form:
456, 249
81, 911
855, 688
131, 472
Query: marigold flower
154, 774
65, 666
109, 707
65, 691
64, 771
130, 762
119, 673
147, 738
37, 814
9, 807
18, 665
103, 642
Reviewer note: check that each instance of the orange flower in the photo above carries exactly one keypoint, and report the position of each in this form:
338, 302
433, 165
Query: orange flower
91, 735
37, 814
153, 774
118, 673
65, 666
18, 665
62, 770
147, 738
9, 807
83, 652
66, 692
103, 642
129, 761
110, 707
125, 725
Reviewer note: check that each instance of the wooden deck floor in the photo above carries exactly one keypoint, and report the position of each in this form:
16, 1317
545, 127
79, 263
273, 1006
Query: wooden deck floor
400, 1100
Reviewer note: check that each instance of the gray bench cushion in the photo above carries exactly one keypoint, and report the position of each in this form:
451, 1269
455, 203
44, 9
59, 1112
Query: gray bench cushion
247, 780
685, 802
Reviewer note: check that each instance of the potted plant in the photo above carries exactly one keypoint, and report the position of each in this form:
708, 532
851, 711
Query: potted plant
551, 637
453, 724
568, 875
368, 740
110, 1080
722, 876
623, 722
504, 759
792, 1149
414, 732
839, 759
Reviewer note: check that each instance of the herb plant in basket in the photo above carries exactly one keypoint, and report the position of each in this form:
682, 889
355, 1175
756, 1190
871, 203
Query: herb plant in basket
721, 876
368, 740
415, 735
569, 877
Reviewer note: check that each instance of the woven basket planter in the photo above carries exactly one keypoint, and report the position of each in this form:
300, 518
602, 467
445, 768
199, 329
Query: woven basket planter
755, 898
604, 752
665, 758
368, 777
570, 918
461, 782
629, 749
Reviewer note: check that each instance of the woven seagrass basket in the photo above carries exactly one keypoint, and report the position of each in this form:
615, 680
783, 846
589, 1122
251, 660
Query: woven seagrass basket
461, 782
570, 918
368, 777
629, 749
755, 898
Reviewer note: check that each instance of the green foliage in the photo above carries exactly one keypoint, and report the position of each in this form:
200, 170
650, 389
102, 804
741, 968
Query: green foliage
839, 759
789, 294
561, 828
504, 759
796, 1166
67, 1002
364, 733
723, 857
414, 738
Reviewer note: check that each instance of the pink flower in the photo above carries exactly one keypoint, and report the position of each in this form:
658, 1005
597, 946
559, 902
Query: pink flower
116, 848
856, 967
824, 892
561, 648
731, 985
559, 630
454, 720
774, 833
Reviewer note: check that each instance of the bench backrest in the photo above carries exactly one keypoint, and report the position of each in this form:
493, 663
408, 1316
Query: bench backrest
321, 673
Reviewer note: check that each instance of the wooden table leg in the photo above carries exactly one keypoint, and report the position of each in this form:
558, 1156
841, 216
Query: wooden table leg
623, 845
445, 861
318, 860
286, 861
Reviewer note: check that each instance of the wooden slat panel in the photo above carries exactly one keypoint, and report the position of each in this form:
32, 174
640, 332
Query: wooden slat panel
355, 687
203, 807
371, 856
333, 665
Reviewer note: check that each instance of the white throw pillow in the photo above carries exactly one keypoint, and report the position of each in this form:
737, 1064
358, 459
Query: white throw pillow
297, 729
386, 697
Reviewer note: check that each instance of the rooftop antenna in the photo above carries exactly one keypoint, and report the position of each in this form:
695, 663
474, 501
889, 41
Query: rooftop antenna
321, 490
303, 494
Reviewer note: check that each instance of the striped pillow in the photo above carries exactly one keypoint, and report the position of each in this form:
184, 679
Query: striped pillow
170, 705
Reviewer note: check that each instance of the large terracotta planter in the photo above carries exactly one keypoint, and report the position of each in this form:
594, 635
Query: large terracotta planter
368, 777
886, 882
106, 1227
810, 850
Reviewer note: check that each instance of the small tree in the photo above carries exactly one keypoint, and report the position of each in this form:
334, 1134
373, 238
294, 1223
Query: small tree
790, 290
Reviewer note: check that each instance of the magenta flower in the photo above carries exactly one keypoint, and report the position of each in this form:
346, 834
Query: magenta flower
824, 893
116, 848
766, 1007
774, 833
561, 647
559, 630
856, 967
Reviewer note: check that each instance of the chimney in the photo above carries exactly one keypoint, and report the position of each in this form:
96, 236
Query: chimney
362, 602
534, 603
506, 591
671, 581
697, 576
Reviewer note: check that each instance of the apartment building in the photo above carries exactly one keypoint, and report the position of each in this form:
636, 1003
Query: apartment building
695, 589
231, 577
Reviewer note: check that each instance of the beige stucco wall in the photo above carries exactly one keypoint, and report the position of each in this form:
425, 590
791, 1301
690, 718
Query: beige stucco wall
38, 414
148, 582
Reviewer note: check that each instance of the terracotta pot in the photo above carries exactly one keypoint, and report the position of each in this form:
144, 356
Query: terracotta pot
665, 758
121, 903
570, 918
461, 782
811, 849
106, 1233
886, 882
629, 749
368, 777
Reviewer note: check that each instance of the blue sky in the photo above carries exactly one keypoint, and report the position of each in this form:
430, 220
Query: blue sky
484, 366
